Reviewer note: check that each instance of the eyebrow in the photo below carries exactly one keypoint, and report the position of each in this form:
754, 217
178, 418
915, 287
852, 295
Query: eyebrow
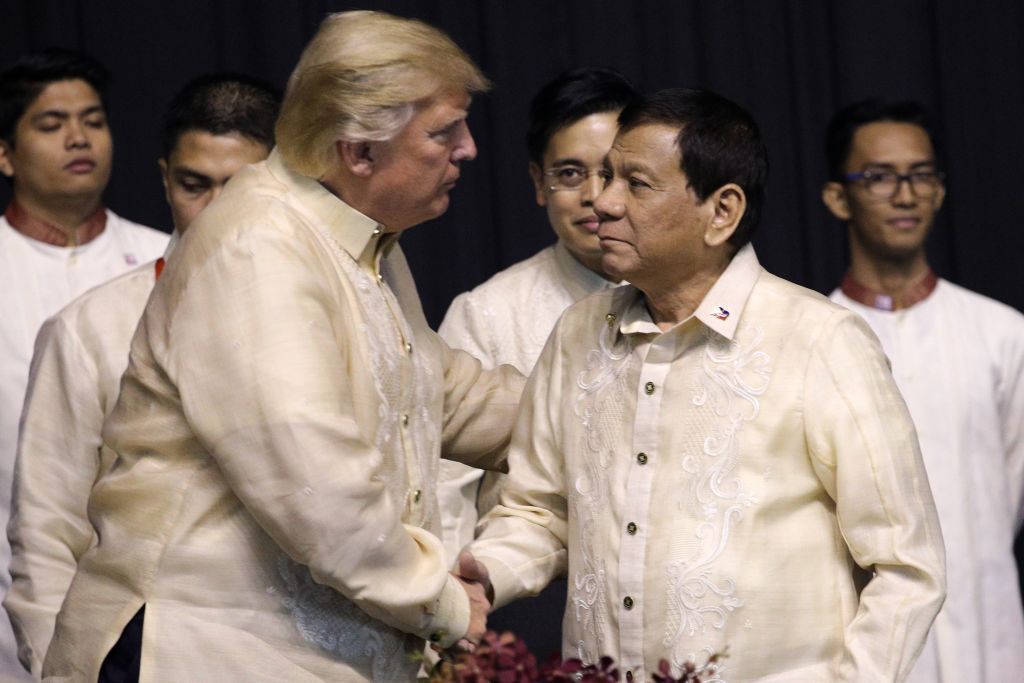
64, 114
186, 173
567, 162
887, 165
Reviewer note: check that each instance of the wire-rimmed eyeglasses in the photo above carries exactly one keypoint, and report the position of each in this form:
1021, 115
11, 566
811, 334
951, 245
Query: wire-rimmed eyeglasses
885, 184
570, 177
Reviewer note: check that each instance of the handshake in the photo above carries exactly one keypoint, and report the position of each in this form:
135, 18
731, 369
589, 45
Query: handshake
475, 580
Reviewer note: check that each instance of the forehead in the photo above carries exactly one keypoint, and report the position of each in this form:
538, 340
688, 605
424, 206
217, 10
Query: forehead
199, 150
651, 145
70, 95
890, 142
584, 139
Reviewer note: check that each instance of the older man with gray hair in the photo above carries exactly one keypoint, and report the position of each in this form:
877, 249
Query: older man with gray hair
271, 515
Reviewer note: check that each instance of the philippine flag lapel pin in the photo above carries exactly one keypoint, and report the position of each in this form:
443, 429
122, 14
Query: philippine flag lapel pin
721, 313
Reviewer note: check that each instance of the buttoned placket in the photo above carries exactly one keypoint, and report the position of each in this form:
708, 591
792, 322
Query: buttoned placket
414, 486
656, 353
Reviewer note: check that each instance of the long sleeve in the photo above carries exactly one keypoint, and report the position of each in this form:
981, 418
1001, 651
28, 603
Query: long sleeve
1010, 400
864, 448
266, 338
523, 539
58, 462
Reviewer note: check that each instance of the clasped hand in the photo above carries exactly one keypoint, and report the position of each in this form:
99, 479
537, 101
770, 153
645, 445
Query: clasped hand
475, 580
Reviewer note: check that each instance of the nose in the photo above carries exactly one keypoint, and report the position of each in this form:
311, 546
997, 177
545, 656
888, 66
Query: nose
592, 187
77, 137
465, 148
608, 204
904, 195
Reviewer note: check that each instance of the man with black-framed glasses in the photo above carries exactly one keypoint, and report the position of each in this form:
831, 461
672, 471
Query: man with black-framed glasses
958, 359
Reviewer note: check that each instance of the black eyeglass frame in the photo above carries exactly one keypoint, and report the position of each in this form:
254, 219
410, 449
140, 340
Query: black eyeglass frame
934, 180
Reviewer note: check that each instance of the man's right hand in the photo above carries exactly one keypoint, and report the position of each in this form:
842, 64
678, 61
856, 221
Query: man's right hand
475, 580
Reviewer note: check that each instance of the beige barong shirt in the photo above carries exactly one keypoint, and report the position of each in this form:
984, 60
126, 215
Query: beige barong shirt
277, 439
714, 487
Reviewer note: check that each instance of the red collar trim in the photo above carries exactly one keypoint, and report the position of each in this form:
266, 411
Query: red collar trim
48, 233
915, 294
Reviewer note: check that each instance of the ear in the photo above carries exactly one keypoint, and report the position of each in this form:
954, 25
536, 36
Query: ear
537, 175
162, 163
940, 196
357, 157
729, 203
6, 167
834, 196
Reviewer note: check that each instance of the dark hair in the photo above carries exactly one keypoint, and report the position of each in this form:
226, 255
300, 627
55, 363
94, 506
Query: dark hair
26, 77
719, 144
571, 96
220, 104
843, 126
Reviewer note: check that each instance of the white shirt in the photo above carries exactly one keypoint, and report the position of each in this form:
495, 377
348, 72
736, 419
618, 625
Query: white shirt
277, 436
958, 358
712, 486
76, 371
506, 320
36, 281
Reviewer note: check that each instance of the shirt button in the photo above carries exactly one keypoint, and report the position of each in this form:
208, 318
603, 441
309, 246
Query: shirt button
641, 458
610, 319
408, 348
631, 528
380, 277
629, 675
376, 231
416, 495
627, 602
649, 388
405, 420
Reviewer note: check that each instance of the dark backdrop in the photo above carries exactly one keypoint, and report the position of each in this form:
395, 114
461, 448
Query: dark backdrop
791, 62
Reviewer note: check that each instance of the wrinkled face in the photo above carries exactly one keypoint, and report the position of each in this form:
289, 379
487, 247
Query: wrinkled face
198, 168
62, 147
576, 150
893, 228
415, 171
652, 223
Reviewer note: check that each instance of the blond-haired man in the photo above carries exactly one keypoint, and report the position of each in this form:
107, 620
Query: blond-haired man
272, 511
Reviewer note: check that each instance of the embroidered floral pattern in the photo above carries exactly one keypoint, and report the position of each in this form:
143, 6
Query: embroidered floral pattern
599, 408
336, 625
733, 376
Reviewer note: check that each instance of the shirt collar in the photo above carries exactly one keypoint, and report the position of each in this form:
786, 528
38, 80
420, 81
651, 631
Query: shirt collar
43, 231
577, 273
720, 309
359, 235
914, 294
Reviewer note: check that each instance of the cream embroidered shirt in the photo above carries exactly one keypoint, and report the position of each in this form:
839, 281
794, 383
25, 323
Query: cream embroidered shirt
76, 371
506, 320
277, 437
37, 280
958, 359
715, 485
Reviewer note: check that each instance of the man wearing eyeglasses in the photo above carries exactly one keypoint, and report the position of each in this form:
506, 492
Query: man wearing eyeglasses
958, 359
506, 320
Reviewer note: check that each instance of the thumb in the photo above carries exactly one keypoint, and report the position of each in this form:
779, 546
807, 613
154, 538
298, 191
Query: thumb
470, 569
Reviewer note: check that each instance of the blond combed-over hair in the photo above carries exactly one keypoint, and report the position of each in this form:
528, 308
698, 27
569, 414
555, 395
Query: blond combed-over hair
359, 79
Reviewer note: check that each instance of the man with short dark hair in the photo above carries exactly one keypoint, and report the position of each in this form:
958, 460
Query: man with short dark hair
712, 448
958, 358
214, 127
272, 510
56, 238
508, 318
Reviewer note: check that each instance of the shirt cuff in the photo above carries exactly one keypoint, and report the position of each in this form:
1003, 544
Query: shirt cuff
450, 620
504, 581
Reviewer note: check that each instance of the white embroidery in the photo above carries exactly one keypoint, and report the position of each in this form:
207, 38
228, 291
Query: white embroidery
336, 625
733, 376
599, 408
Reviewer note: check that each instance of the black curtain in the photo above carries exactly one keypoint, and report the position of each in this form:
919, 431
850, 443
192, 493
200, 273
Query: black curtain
790, 62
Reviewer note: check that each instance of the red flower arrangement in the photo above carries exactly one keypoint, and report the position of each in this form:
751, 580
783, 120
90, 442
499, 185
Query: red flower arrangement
506, 659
